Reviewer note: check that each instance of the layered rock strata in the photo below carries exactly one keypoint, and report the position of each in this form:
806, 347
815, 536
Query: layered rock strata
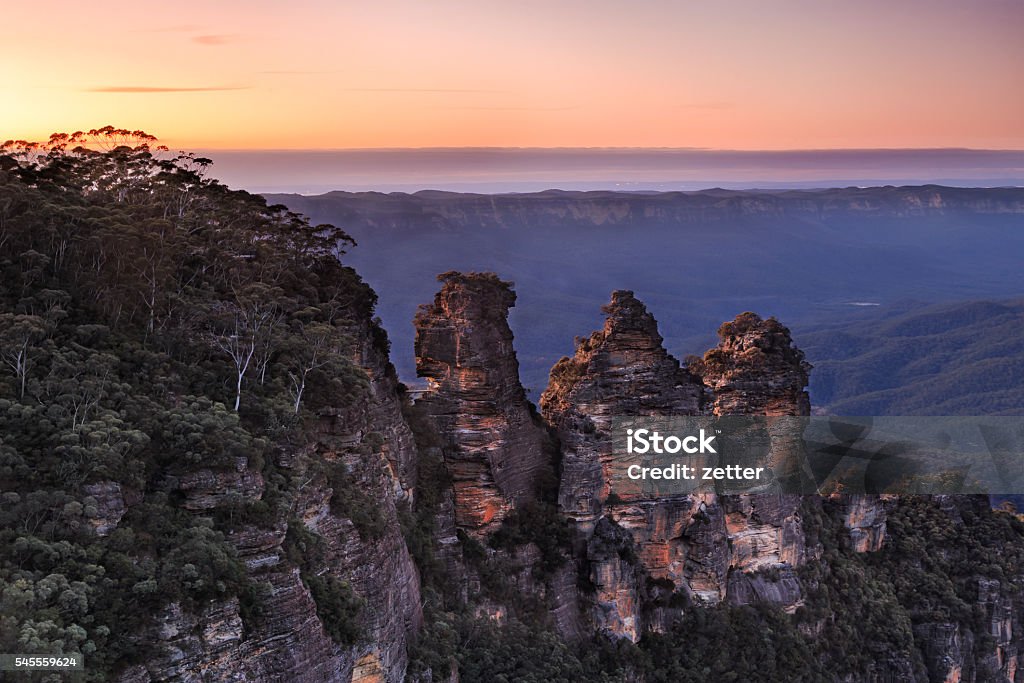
756, 369
621, 370
496, 450
682, 549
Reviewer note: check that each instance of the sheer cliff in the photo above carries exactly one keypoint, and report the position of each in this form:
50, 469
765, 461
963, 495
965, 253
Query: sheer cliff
333, 553
689, 549
497, 451
204, 426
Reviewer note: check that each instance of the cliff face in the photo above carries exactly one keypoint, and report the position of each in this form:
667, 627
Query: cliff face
289, 640
556, 209
754, 370
634, 565
699, 548
621, 370
991, 647
496, 452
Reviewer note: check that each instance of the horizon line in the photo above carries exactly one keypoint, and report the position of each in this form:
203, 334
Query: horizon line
605, 149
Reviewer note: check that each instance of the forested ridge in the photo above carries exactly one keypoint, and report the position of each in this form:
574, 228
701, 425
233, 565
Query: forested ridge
954, 359
151, 321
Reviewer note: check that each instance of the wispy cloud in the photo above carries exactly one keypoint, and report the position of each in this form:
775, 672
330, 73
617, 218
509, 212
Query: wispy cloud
299, 72
214, 39
500, 108
178, 28
153, 89
424, 90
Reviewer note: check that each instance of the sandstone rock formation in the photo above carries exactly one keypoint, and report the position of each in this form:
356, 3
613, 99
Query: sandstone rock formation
497, 450
635, 562
700, 545
756, 370
621, 370
864, 515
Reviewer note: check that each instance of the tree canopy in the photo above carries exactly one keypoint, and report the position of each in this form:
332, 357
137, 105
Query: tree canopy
152, 322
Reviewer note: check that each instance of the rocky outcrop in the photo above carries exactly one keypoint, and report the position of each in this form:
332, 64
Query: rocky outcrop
696, 547
756, 370
206, 489
497, 452
864, 516
616, 579
107, 500
621, 370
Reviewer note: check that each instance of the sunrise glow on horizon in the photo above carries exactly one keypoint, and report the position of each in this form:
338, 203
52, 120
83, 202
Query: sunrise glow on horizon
738, 74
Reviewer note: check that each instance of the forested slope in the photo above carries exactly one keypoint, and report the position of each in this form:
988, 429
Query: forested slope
169, 350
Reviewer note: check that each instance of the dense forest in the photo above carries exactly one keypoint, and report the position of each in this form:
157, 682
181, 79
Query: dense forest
965, 358
154, 322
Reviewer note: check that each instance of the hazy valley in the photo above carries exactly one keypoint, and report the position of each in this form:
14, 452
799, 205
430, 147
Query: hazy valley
818, 259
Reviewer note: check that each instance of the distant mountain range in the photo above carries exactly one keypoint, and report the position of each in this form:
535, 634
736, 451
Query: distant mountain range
851, 270
524, 169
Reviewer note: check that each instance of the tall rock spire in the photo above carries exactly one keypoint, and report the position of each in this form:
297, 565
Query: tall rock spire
496, 450
622, 369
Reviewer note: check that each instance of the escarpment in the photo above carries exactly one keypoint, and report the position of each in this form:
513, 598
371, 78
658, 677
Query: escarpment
395, 213
337, 591
497, 450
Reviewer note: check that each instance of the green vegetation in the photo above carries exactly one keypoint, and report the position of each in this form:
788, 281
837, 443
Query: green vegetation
153, 323
860, 613
540, 524
962, 359
517, 652
336, 605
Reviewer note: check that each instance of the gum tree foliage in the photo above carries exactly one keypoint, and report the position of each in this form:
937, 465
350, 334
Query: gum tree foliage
152, 322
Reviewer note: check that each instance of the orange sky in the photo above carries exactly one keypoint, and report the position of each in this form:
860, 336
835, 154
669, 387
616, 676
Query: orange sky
734, 74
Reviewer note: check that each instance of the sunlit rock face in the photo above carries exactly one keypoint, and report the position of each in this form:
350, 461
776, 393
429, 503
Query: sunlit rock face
621, 370
701, 548
497, 451
756, 369
864, 517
